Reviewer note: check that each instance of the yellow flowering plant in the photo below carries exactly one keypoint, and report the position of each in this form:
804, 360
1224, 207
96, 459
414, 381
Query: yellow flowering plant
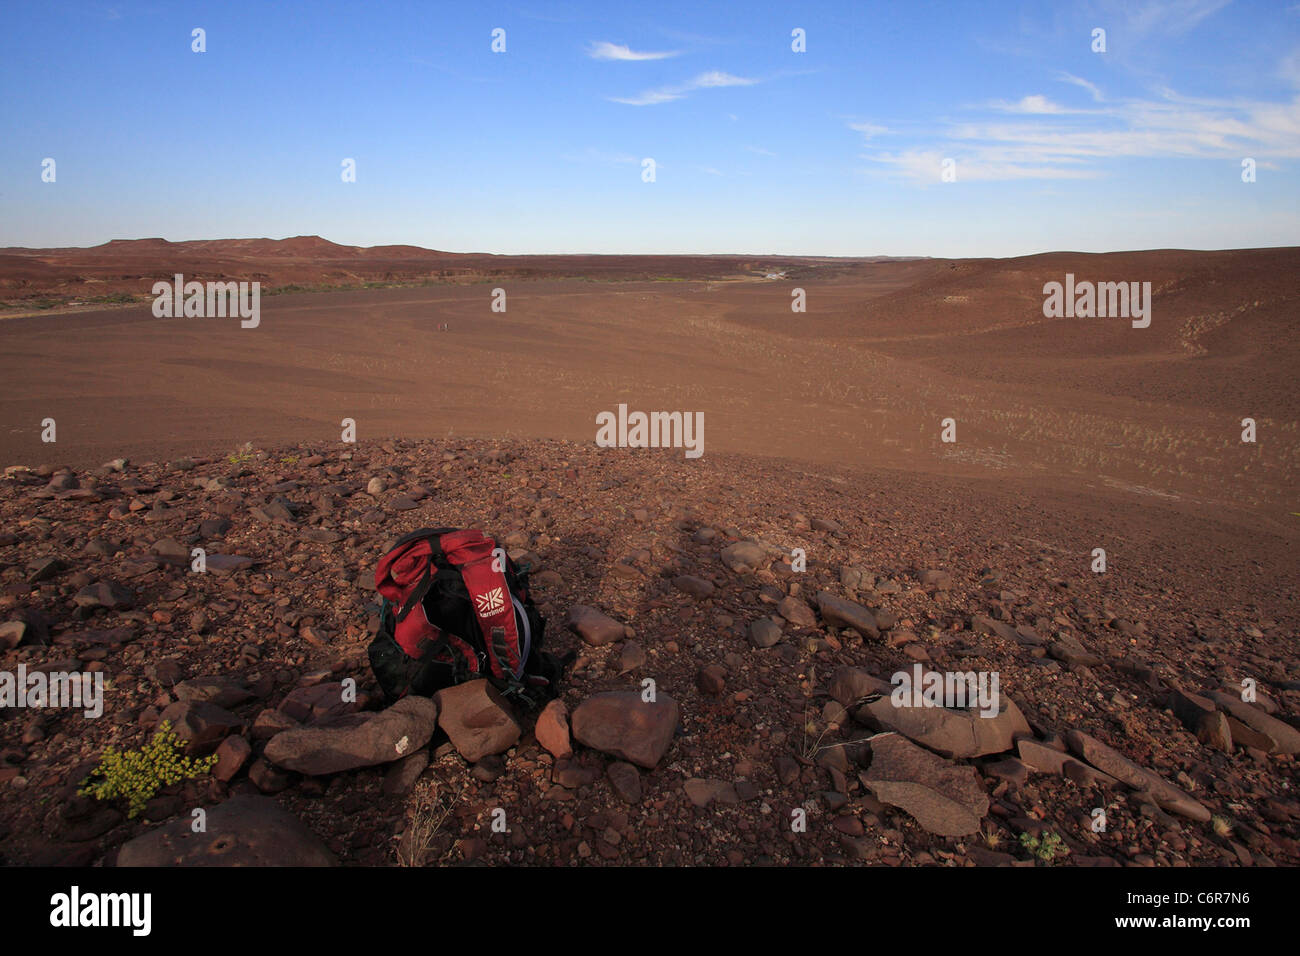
136, 775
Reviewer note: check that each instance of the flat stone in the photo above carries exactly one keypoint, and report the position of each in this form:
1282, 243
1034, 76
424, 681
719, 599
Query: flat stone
1286, 738
401, 777
951, 732
944, 798
232, 754
697, 587
704, 792
623, 725
1070, 652
630, 657
797, 612
851, 685
106, 594
223, 691
317, 703
594, 627
1111, 761
227, 563
839, 612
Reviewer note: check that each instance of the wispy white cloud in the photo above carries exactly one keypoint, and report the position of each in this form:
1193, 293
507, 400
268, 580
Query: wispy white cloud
603, 50
592, 155
666, 94
868, 130
1036, 138
1166, 16
1081, 82
1035, 104
759, 150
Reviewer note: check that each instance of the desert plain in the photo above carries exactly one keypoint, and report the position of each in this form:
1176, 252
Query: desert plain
824, 432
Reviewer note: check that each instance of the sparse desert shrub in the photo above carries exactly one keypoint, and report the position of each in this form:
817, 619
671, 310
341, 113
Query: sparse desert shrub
422, 828
1046, 847
136, 775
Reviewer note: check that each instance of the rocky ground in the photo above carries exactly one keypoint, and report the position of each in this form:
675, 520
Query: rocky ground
768, 740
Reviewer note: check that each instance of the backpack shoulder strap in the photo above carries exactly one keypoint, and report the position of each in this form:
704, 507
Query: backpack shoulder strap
494, 607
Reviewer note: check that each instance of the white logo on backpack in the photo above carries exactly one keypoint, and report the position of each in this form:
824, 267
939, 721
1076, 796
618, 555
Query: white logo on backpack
490, 603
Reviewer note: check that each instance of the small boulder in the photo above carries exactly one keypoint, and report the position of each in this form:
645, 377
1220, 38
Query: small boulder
246, 830
697, 587
552, 730
623, 725
594, 627
477, 719
838, 612
201, 725
744, 556
357, 740
764, 632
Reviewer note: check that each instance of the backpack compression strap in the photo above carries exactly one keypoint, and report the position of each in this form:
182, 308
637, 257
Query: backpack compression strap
471, 552
403, 578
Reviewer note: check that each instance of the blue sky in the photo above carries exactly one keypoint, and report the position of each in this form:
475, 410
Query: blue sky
758, 149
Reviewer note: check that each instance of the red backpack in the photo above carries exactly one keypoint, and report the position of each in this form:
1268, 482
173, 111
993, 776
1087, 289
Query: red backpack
456, 608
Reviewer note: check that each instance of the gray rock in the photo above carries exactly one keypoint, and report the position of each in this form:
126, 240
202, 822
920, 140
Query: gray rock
939, 580
696, 587
223, 691
626, 781
356, 740
838, 612
764, 632
106, 594
744, 556
172, 552
630, 657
